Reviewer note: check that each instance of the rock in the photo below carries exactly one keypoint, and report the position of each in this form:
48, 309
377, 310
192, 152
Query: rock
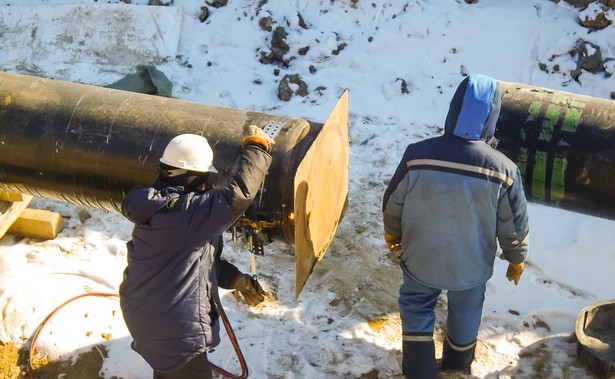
608, 65
302, 22
285, 88
265, 23
155, 2
589, 57
204, 14
340, 47
83, 215
582, 4
579, 3
596, 22
403, 86
217, 3
279, 48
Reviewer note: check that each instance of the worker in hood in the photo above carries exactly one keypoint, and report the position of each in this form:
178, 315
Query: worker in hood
451, 200
169, 293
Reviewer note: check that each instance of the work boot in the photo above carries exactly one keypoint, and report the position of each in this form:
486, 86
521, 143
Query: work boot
419, 361
456, 357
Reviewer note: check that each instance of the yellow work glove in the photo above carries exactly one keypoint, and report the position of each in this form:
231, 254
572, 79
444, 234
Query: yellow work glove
514, 271
393, 243
253, 135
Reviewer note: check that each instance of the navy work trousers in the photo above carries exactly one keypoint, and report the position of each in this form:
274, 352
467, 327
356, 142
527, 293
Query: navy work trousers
417, 304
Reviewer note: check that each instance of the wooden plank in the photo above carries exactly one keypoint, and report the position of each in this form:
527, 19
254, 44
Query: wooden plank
10, 211
321, 192
10, 196
37, 223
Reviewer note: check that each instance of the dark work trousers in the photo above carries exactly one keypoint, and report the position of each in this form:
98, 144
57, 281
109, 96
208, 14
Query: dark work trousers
416, 306
197, 368
417, 303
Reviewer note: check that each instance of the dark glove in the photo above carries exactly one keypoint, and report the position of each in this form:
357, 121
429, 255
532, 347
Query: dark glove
254, 135
250, 289
514, 271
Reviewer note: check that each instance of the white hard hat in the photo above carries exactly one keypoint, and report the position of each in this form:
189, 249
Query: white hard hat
189, 152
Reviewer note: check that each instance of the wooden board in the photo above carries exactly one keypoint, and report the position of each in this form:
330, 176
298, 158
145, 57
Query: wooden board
16, 218
10, 196
37, 223
321, 192
10, 211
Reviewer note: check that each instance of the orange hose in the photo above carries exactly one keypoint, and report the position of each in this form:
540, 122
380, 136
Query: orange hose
233, 338
40, 328
225, 321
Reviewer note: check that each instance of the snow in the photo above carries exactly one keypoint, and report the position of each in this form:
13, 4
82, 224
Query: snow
88, 43
345, 324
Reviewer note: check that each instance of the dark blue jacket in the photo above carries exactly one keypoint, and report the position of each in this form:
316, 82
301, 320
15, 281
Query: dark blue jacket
453, 197
171, 280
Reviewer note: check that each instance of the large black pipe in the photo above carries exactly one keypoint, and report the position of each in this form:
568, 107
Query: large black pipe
564, 144
90, 145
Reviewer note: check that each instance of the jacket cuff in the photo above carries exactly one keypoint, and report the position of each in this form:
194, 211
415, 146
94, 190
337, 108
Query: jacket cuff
255, 140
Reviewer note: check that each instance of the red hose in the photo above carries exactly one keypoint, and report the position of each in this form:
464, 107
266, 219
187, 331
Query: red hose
225, 321
233, 338
40, 328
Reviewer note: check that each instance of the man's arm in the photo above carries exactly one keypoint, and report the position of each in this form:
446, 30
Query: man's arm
513, 223
393, 202
513, 229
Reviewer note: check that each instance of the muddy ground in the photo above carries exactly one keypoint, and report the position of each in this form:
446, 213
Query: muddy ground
13, 364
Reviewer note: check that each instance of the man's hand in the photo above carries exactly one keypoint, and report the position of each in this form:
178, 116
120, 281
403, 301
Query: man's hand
253, 135
393, 243
514, 271
250, 289
394, 247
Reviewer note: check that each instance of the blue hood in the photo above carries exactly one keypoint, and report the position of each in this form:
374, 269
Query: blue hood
474, 109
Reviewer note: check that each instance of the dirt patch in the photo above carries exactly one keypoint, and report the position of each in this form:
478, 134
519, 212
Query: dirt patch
13, 364
87, 365
9, 356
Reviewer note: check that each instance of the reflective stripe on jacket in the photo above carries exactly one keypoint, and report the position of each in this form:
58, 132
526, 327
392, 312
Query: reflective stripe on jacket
453, 196
449, 200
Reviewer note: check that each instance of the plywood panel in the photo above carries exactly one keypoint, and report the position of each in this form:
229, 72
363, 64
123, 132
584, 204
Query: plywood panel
321, 192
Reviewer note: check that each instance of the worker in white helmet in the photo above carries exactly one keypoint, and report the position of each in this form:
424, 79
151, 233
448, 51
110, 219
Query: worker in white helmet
170, 288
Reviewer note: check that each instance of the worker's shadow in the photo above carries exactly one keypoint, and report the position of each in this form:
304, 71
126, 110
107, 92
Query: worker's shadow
344, 324
548, 358
89, 362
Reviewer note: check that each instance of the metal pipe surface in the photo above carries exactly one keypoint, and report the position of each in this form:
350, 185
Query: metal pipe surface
564, 145
90, 145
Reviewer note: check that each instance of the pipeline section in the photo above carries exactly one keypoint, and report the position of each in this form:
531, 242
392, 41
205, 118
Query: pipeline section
564, 145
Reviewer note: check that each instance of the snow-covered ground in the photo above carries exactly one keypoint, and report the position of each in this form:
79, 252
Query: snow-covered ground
401, 62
